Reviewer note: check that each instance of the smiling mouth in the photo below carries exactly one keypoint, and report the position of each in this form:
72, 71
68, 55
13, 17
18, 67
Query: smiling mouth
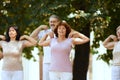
61, 33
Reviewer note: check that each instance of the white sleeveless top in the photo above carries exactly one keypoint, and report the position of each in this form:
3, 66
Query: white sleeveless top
46, 49
116, 54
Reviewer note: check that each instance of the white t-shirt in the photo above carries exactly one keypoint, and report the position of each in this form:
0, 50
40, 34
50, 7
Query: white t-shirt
47, 49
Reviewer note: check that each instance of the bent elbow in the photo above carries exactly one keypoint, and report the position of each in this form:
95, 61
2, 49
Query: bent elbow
88, 40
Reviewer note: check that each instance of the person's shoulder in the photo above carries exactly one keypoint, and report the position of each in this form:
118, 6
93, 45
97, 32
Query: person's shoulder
53, 39
2, 41
70, 39
117, 42
44, 31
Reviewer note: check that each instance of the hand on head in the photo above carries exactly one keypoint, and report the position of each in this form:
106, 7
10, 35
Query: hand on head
113, 37
2, 37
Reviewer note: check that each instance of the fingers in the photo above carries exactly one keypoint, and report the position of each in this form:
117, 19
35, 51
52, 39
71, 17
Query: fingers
70, 35
51, 34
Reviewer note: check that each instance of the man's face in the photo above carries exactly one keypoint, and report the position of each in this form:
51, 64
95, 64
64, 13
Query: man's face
53, 22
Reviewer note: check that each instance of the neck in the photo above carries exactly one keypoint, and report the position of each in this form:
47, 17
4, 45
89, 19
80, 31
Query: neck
61, 38
12, 39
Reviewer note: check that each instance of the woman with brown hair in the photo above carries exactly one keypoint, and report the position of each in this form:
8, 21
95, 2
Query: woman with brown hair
61, 45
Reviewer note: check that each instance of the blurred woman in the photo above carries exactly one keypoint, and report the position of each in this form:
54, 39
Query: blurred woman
112, 42
61, 45
12, 46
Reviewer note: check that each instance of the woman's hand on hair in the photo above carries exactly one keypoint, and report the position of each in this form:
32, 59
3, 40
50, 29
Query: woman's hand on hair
113, 37
2, 37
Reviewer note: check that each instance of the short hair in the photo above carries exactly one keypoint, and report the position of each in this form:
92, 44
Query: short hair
17, 31
117, 28
67, 26
55, 16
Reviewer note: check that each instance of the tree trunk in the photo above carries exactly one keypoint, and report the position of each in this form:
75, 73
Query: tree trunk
41, 66
81, 60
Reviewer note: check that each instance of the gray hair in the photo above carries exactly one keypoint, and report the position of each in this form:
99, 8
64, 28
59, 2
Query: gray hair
55, 16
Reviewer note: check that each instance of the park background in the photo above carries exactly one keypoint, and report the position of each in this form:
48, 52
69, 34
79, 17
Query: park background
95, 18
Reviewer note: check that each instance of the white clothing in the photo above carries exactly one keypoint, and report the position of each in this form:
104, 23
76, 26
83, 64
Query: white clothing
116, 54
116, 62
46, 50
12, 75
115, 73
46, 71
60, 75
46, 57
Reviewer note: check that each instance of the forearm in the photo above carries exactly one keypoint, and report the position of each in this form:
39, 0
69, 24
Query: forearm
43, 38
35, 33
82, 36
74, 34
30, 39
2, 37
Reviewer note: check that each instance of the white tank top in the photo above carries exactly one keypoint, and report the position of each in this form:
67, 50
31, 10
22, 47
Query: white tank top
116, 54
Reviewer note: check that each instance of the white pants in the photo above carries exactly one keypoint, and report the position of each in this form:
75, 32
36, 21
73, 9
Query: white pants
115, 72
11, 75
46, 71
60, 75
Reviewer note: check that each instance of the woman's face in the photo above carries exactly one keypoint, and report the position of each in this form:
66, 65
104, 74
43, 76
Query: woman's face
12, 32
61, 30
